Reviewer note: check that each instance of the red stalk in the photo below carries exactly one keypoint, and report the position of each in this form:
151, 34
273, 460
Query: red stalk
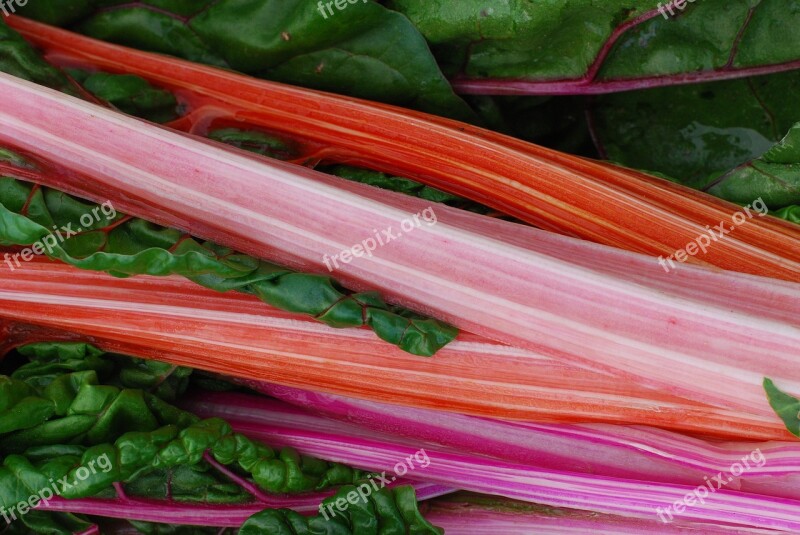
555, 191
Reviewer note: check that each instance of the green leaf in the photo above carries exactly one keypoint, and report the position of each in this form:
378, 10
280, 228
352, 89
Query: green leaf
21, 407
71, 392
708, 36
256, 141
402, 185
364, 50
20, 59
97, 434
774, 176
131, 247
188, 484
532, 40
163, 380
577, 44
130, 94
704, 135
49, 360
149, 528
384, 512
790, 213
137, 453
785, 406
50, 523
87, 412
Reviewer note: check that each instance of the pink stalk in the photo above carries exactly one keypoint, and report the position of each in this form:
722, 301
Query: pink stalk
523, 296
641, 453
619, 496
457, 516
467, 515
174, 320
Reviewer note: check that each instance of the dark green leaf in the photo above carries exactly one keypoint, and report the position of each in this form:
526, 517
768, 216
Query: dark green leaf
562, 44
21, 407
773, 176
131, 94
149, 528
195, 484
256, 141
20, 59
553, 40
382, 512
49, 523
698, 134
402, 185
364, 50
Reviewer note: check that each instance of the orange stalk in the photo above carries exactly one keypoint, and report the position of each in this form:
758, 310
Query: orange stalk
555, 191
174, 320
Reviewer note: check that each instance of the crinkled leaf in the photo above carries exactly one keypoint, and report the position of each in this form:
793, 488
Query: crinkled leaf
140, 436
49, 360
197, 484
283, 471
72, 392
163, 380
85, 412
21, 407
136, 454
384, 512
167, 462
364, 50
128, 246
